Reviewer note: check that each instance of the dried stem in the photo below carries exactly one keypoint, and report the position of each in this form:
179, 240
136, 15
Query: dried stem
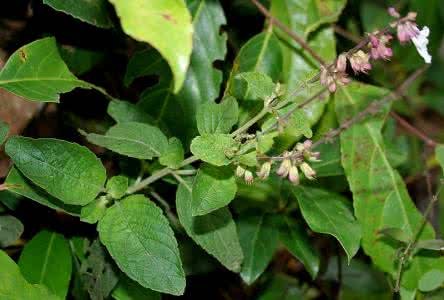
413, 130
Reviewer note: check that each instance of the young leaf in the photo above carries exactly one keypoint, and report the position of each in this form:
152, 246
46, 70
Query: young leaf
139, 238
4, 129
14, 286
46, 259
431, 281
213, 188
217, 118
37, 72
167, 18
132, 139
173, 154
214, 148
259, 85
94, 211
94, 12
123, 111
10, 230
214, 232
258, 235
68, 171
327, 212
116, 186
128, 289
296, 241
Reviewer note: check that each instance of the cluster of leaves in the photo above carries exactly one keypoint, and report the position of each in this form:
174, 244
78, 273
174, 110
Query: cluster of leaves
186, 138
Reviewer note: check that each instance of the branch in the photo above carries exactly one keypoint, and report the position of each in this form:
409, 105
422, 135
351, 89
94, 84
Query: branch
413, 130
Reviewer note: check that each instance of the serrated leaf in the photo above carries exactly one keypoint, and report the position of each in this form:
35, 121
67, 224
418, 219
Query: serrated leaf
151, 21
440, 155
4, 130
214, 232
94, 211
10, 230
380, 195
297, 242
94, 12
258, 235
327, 212
46, 259
117, 186
213, 188
128, 289
139, 238
431, 281
20, 185
173, 155
123, 111
132, 139
259, 85
214, 148
37, 72
67, 171
217, 118
14, 287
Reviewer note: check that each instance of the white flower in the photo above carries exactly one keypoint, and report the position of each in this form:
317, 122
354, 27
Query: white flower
421, 41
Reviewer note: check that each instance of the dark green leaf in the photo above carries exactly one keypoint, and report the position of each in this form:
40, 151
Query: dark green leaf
10, 230
80, 60
214, 148
431, 281
173, 155
123, 111
395, 233
217, 118
4, 130
128, 289
440, 155
282, 287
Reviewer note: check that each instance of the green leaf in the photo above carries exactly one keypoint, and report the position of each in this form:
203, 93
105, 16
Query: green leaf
68, 171
20, 185
282, 287
213, 188
132, 139
80, 60
116, 186
259, 85
4, 130
128, 289
94, 211
395, 234
139, 238
440, 155
10, 230
296, 241
46, 259
436, 245
94, 12
142, 63
330, 164
431, 281
14, 287
217, 118
37, 72
214, 148
173, 154
123, 111
151, 21
214, 232
258, 235
380, 195
329, 213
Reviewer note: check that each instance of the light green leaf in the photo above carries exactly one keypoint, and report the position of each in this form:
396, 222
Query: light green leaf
296, 241
14, 287
37, 72
94, 12
94, 211
327, 212
440, 155
128, 289
258, 235
151, 21
132, 139
117, 186
213, 188
46, 259
259, 85
214, 148
4, 130
10, 230
139, 238
214, 232
217, 118
20, 185
380, 195
67, 171
173, 155
123, 111
431, 281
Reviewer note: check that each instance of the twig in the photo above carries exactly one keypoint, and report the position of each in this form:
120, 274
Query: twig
413, 130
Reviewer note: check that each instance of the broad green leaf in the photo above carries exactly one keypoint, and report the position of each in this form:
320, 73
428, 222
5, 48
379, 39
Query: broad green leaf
20, 185
296, 241
258, 235
94, 211
4, 129
143, 63
132, 139
440, 155
37, 72
68, 171
14, 287
94, 12
330, 164
395, 234
202, 84
431, 281
214, 148
259, 85
217, 118
10, 230
213, 188
151, 21
282, 287
380, 196
80, 60
123, 111
128, 289
46, 259
139, 238
214, 232
173, 155
327, 212
117, 186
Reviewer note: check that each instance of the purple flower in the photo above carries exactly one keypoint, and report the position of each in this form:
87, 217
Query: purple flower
360, 62
379, 49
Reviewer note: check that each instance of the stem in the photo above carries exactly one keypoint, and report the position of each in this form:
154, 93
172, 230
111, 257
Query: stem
413, 130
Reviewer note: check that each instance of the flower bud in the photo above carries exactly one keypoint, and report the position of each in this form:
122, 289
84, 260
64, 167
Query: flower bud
360, 62
300, 147
308, 171
264, 172
240, 171
307, 144
293, 175
341, 63
315, 156
248, 177
393, 12
284, 168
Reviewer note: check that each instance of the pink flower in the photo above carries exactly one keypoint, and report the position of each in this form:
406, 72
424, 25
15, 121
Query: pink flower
341, 63
360, 62
393, 12
406, 31
331, 79
379, 48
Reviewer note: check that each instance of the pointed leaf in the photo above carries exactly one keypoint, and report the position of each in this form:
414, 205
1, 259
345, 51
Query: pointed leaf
214, 148
173, 155
10, 230
123, 111
259, 85
217, 118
